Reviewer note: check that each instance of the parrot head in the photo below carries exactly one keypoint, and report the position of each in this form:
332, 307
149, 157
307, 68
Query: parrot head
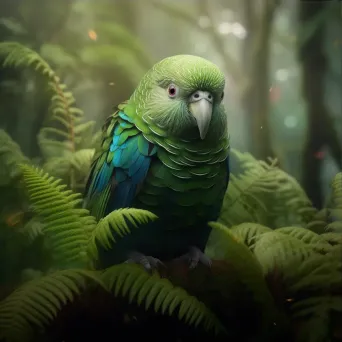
183, 96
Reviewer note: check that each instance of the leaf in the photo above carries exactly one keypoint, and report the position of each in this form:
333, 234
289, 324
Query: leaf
113, 56
63, 223
117, 224
14, 26
134, 283
58, 56
37, 303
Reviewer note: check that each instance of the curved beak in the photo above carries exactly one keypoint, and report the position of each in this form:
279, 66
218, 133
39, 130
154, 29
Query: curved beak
201, 107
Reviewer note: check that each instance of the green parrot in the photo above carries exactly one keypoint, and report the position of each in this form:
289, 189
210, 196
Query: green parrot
165, 150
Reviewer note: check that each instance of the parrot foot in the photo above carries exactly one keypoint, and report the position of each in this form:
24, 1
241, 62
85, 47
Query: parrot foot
150, 263
196, 256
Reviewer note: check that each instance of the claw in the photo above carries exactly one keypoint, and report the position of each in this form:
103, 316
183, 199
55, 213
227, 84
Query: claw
148, 262
196, 256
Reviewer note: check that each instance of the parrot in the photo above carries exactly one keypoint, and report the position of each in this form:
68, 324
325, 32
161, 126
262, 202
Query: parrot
165, 150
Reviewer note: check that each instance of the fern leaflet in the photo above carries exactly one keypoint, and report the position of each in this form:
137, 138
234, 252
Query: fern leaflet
135, 283
36, 303
66, 227
117, 223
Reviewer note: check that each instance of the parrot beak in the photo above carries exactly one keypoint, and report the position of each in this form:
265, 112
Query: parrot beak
201, 107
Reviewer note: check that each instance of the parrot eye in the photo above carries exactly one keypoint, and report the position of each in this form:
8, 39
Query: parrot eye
172, 90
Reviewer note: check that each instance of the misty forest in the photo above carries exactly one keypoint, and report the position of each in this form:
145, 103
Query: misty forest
276, 248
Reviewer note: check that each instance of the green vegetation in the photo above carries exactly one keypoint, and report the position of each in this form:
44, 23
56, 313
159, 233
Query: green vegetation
276, 260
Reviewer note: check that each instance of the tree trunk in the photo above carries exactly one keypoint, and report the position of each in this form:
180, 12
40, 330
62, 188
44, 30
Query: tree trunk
255, 96
320, 131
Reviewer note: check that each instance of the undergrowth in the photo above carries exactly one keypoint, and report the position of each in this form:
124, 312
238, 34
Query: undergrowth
276, 273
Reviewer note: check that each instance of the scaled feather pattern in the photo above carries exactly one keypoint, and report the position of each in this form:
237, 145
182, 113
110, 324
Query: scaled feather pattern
154, 156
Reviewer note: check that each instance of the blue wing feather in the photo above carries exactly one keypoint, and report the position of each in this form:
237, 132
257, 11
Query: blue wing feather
124, 172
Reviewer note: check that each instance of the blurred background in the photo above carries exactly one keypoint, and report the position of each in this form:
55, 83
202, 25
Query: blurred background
282, 60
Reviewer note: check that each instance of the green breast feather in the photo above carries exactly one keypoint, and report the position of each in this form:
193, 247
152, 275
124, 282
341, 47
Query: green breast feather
187, 179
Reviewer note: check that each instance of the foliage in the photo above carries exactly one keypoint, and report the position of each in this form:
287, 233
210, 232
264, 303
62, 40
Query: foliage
117, 223
39, 301
265, 194
63, 145
68, 229
10, 156
71, 50
65, 226
276, 259
289, 274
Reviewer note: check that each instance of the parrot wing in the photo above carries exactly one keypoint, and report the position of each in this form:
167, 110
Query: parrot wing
119, 168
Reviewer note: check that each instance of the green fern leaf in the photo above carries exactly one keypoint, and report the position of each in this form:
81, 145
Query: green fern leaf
134, 282
302, 269
302, 234
264, 194
248, 233
315, 315
317, 273
332, 238
36, 303
62, 107
335, 227
317, 242
63, 223
117, 223
277, 250
10, 156
33, 229
247, 267
245, 201
79, 161
336, 186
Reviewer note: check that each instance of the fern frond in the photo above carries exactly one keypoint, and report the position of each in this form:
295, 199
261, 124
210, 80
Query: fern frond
117, 223
302, 234
246, 198
35, 304
275, 249
245, 264
18, 55
334, 227
316, 274
336, 205
62, 107
63, 223
319, 221
302, 270
248, 233
264, 194
293, 204
315, 315
330, 218
134, 283
332, 238
10, 156
317, 242
79, 160
33, 229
